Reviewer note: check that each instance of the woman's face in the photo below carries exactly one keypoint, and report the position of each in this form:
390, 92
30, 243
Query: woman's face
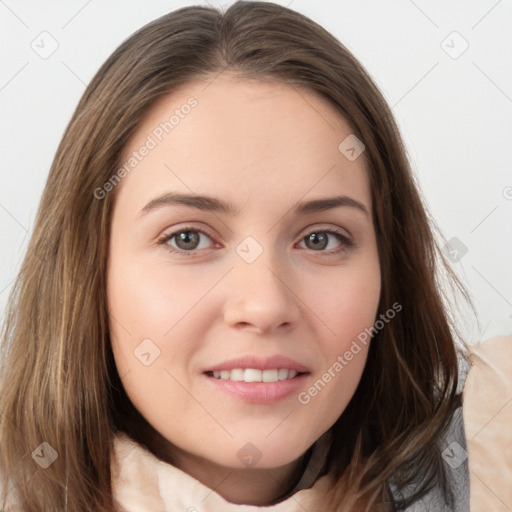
242, 239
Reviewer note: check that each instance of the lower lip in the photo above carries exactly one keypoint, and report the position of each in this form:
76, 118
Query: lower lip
260, 392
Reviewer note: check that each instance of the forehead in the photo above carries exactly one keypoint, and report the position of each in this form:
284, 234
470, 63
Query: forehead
251, 140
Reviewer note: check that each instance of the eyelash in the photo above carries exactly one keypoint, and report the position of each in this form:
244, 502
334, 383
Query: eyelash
345, 242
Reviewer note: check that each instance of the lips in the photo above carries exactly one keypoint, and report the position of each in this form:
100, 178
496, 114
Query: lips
260, 380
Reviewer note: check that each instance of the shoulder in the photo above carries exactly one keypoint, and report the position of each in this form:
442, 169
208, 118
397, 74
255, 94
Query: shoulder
487, 400
487, 393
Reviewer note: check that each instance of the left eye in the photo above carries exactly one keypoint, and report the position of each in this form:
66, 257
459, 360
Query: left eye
321, 240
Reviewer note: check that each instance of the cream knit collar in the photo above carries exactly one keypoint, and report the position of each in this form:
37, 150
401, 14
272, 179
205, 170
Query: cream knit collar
141, 482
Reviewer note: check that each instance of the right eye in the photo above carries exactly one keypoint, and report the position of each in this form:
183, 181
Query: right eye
186, 240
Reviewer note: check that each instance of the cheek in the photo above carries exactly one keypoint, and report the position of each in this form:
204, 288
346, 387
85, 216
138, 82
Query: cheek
162, 304
346, 306
149, 308
346, 302
329, 395
149, 300
349, 312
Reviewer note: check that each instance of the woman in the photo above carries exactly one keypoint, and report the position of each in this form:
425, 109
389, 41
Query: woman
230, 297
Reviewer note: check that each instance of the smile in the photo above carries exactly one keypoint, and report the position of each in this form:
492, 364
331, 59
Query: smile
254, 374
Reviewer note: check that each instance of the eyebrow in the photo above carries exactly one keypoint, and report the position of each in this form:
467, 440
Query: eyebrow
212, 204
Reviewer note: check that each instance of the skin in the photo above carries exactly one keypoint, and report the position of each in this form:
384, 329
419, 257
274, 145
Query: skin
264, 147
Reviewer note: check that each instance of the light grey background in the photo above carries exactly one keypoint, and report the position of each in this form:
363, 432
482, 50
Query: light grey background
454, 107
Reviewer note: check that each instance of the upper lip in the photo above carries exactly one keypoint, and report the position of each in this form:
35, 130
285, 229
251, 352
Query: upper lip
260, 363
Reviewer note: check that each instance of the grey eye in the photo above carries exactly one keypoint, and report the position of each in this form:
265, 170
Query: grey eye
189, 240
320, 240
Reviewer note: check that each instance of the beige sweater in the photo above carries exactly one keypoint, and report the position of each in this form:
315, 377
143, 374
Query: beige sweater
488, 422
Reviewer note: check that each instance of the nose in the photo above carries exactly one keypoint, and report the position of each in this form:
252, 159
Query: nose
260, 298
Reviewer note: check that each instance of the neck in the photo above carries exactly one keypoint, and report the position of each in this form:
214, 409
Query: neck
248, 486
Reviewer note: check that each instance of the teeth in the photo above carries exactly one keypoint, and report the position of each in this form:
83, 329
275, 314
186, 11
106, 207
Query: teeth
282, 374
269, 375
254, 375
237, 374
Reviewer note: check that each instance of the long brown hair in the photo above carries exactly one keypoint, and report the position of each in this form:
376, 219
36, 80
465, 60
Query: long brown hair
59, 382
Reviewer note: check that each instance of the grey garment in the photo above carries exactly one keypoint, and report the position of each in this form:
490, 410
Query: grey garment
454, 453
453, 450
